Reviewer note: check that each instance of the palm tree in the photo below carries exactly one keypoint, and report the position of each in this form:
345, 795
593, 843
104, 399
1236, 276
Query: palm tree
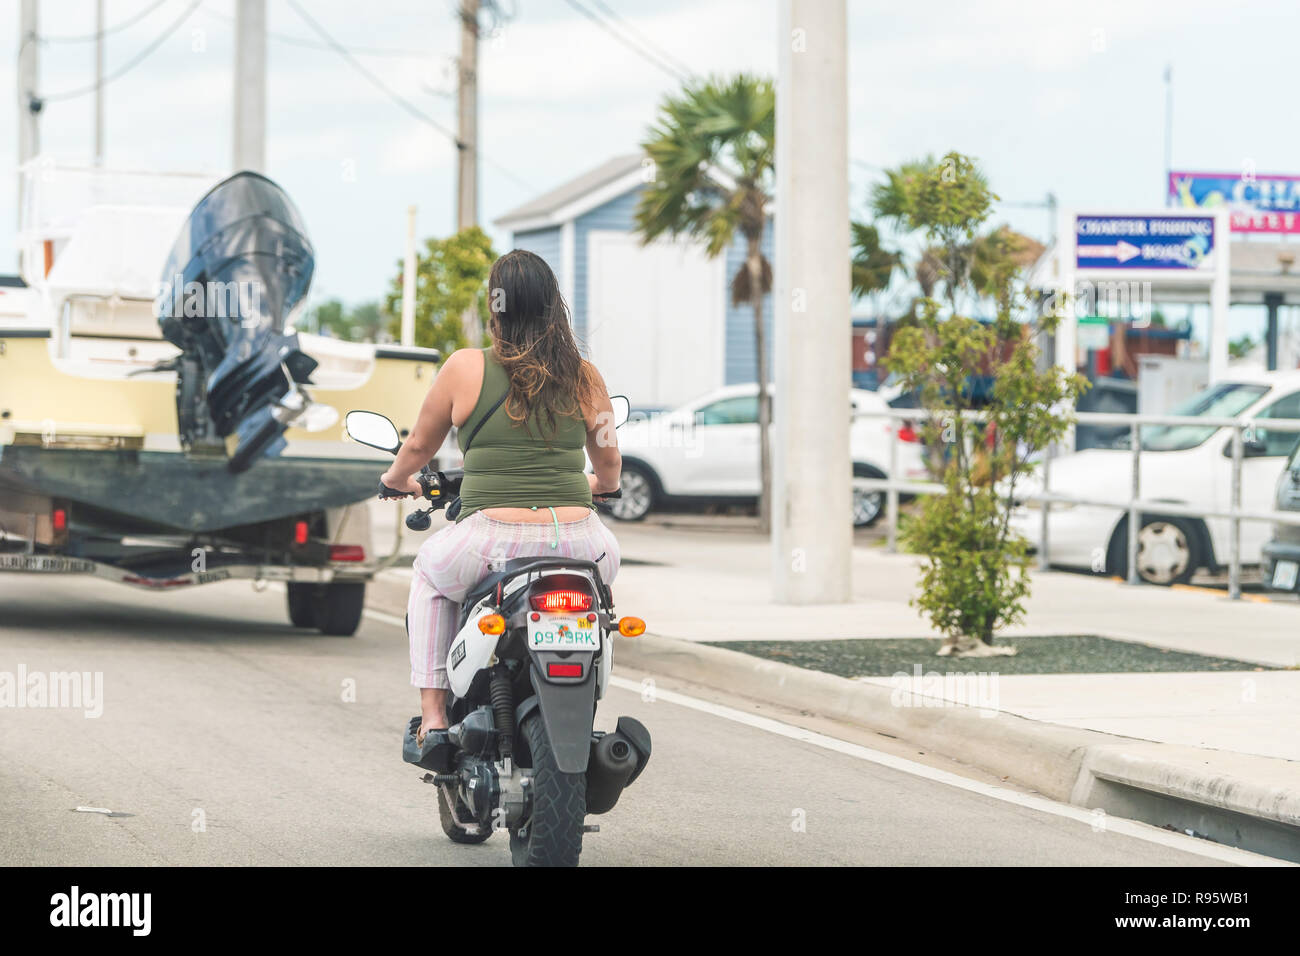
873, 267
713, 147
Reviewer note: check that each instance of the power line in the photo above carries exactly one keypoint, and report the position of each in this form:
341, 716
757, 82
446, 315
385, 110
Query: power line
636, 48
650, 45
309, 43
396, 97
86, 37
134, 62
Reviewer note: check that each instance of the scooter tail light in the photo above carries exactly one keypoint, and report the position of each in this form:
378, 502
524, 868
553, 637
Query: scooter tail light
563, 670
561, 601
347, 552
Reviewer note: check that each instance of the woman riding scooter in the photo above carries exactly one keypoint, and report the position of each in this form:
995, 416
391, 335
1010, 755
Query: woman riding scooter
524, 408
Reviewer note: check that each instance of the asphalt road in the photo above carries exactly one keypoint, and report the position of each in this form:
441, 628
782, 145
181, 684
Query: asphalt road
226, 737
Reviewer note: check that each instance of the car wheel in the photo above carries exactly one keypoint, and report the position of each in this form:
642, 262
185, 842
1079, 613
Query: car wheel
868, 505
302, 604
339, 606
1169, 550
638, 487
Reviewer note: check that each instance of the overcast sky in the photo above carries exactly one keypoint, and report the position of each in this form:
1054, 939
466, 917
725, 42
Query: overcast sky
1048, 95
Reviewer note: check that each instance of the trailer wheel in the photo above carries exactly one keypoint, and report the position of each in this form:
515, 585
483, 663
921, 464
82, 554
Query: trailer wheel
338, 607
302, 604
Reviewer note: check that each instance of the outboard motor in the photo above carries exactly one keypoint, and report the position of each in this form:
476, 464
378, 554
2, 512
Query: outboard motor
238, 271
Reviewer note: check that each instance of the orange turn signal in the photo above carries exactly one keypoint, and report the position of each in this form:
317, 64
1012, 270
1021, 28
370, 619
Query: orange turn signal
492, 624
631, 626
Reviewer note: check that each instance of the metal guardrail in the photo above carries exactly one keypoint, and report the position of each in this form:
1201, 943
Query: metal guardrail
1135, 505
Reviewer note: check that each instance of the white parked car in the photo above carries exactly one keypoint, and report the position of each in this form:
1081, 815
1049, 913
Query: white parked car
707, 450
1189, 465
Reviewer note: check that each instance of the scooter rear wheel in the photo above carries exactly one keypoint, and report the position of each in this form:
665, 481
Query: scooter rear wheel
553, 835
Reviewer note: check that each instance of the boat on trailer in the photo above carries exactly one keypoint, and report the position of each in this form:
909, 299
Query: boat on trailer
162, 422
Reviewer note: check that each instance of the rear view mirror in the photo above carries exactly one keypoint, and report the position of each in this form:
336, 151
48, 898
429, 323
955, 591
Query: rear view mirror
622, 409
373, 429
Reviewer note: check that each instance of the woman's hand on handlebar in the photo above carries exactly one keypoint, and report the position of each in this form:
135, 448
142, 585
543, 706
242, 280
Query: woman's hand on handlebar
406, 486
596, 494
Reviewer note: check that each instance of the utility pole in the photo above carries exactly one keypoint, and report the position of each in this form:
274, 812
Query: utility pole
812, 527
1169, 124
467, 114
29, 107
99, 82
249, 140
408, 281
467, 144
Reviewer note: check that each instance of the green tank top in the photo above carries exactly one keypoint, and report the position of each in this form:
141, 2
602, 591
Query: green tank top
510, 466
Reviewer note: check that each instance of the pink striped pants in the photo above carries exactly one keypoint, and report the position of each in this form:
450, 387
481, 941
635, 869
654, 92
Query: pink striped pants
452, 561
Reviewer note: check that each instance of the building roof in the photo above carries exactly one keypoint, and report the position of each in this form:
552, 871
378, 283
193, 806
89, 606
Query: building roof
570, 194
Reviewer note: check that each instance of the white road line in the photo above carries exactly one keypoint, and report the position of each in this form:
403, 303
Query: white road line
386, 618
1110, 823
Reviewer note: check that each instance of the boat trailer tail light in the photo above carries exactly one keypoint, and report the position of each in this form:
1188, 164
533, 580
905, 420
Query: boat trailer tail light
563, 670
347, 552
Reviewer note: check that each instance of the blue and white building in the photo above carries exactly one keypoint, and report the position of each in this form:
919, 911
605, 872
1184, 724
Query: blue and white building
657, 320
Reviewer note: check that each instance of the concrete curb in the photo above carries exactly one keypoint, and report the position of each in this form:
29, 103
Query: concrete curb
1238, 799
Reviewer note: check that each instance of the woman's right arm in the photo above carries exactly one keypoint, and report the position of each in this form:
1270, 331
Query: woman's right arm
602, 440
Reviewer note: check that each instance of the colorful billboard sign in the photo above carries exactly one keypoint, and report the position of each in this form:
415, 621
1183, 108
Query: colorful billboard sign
1257, 203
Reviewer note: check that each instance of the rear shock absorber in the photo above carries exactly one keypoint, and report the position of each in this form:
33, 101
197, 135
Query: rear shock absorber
503, 709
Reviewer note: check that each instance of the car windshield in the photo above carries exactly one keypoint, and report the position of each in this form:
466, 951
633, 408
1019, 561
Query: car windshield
1226, 400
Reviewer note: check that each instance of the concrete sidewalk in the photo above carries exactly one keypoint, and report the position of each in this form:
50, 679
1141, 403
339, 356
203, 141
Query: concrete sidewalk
710, 583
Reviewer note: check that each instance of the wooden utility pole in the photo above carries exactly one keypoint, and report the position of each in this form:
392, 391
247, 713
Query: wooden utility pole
29, 131
467, 113
467, 144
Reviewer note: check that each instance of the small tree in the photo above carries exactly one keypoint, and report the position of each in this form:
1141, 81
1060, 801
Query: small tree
974, 579
450, 278
361, 323
713, 148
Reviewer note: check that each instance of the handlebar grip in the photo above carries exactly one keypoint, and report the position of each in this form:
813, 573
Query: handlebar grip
616, 493
386, 492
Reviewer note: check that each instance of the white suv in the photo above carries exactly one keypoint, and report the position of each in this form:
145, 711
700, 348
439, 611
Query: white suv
707, 450
1189, 465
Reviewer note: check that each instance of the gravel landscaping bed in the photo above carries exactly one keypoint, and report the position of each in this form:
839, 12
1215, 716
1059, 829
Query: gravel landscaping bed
1082, 654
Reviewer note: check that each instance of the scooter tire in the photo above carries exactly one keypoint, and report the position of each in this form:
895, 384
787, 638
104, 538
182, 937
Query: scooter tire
553, 835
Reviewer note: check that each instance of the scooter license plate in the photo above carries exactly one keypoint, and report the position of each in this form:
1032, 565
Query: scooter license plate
1284, 575
554, 632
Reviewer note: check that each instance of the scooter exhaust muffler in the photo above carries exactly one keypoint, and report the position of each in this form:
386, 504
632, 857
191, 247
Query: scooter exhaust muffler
616, 760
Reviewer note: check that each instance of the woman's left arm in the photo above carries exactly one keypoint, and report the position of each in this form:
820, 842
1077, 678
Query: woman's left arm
431, 427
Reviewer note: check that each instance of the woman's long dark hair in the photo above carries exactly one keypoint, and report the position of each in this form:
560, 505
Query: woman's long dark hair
533, 341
